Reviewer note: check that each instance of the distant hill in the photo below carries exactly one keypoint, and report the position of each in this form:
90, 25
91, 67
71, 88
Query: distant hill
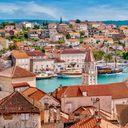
118, 23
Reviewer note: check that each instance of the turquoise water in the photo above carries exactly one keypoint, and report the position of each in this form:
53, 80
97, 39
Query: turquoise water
49, 85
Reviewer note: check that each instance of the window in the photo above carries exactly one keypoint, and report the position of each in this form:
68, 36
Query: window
84, 93
24, 117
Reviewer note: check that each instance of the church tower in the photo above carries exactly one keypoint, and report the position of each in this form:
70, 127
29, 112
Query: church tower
89, 72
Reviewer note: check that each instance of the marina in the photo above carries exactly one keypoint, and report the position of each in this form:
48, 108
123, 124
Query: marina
49, 85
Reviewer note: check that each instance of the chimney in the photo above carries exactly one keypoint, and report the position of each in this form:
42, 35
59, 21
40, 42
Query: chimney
58, 113
51, 114
46, 113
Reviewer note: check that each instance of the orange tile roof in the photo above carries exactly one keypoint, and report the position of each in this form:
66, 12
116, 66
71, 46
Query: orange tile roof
73, 40
73, 51
19, 54
16, 103
86, 123
16, 72
108, 90
29, 91
23, 84
36, 94
94, 90
83, 110
35, 53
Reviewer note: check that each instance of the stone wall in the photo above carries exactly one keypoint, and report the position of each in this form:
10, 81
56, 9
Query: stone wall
15, 121
70, 104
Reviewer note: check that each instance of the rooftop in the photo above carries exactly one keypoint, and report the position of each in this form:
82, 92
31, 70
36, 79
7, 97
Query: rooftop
86, 123
35, 53
16, 103
19, 54
73, 51
94, 90
16, 72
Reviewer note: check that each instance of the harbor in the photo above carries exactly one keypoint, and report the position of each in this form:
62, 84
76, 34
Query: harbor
49, 85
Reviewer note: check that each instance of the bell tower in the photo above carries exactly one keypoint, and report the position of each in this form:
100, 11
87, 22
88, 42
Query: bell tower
89, 72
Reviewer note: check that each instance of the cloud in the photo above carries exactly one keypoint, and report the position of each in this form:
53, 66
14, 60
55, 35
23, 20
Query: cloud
29, 9
70, 9
8, 8
33, 9
105, 12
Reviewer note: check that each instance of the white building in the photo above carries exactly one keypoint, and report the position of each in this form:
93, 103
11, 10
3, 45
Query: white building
72, 42
28, 25
21, 59
74, 58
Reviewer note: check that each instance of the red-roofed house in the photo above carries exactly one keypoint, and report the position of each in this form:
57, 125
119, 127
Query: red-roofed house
16, 111
11, 77
103, 96
20, 58
72, 42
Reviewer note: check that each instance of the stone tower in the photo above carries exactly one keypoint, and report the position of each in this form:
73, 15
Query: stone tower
89, 72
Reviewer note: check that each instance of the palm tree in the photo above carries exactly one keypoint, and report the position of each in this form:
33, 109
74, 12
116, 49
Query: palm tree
108, 57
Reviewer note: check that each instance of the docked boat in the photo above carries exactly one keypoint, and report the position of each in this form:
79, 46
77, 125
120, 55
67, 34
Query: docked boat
44, 76
69, 74
108, 70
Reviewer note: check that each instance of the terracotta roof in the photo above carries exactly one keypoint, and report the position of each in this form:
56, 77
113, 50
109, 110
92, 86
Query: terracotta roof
16, 103
73, 40
108, 90
73, 51
34, 93
23, 84
35, 53
16, 72
72, 92
83, 110
86, 123
122, 113
19, 54
59, 61
94, 90
59, 91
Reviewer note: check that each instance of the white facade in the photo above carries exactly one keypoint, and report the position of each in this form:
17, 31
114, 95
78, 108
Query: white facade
40, 64
28, 25
76, 58
58, 66
72, 42
23, 63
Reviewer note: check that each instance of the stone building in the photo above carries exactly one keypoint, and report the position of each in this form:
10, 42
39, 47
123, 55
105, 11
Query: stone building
17, 112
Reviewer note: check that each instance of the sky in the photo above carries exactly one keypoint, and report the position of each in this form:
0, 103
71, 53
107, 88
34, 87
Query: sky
94, 10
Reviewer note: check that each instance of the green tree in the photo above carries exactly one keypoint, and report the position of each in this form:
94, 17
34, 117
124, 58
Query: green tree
68, 36
12, 47
108, 57
78, 21
61, 41
98, 55
125, 55
82, 34
43, 50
